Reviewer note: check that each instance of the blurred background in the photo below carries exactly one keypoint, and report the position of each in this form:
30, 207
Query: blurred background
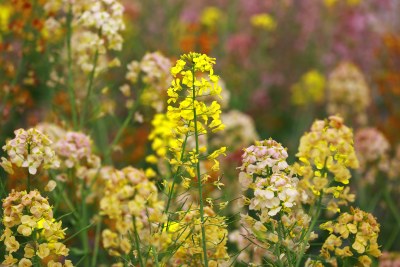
283, 64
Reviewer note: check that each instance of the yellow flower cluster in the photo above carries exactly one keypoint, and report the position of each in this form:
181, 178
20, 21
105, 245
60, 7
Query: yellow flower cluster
5, 14
310, 88
189, 116
161, 135
210, 16
132, 207
29, 149
31, 231
360, 229
348, 92
332, 3
186, 233
327, 150
263, 21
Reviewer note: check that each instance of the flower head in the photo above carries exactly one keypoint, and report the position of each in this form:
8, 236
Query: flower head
30, 149
26, 214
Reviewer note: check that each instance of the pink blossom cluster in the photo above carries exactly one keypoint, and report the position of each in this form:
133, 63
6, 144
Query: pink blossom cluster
29, 149
264, 171
74, 147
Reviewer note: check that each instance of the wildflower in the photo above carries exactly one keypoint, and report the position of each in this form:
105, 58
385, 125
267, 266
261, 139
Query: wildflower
326, 150
209, 16
73, 147
370, 145
29, 149
263, 21
189, 238
310, 88
154, 73
5, 14
175, 133
372, 150
332, 3
25, 214
50, 186
360, 229
98, 27
348, 92
131, 200
270, 190
264, 157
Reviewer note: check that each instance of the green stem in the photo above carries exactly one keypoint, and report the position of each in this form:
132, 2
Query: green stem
277, 247
89, 90
155, 256
83, 223
309, 230
70, 86
176, 175
96, 243
200, 186
137, 241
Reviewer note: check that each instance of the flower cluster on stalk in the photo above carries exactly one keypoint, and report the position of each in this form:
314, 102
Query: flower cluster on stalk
372, 149
29, 149
264, 173
186, 233
98, 26
174, 131
326, 155
275, 220
348, 92
31, 231
153, 73
132, 209
353, 234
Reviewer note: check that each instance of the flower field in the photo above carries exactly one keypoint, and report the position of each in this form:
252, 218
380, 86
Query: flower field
199, 133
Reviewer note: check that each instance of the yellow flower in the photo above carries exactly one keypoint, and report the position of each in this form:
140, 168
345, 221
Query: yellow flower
310, 88
365, 261
332, 3
43, 251
325, 155
24, 263
210, 16
12, 244
263, 21
54, 264
5, 14
356, 225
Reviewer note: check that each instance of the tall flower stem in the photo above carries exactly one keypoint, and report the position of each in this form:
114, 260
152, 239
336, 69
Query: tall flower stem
96, 242
89, 90
70, 85
200, 186
174, 180
137, 243
84, 223
310, 229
